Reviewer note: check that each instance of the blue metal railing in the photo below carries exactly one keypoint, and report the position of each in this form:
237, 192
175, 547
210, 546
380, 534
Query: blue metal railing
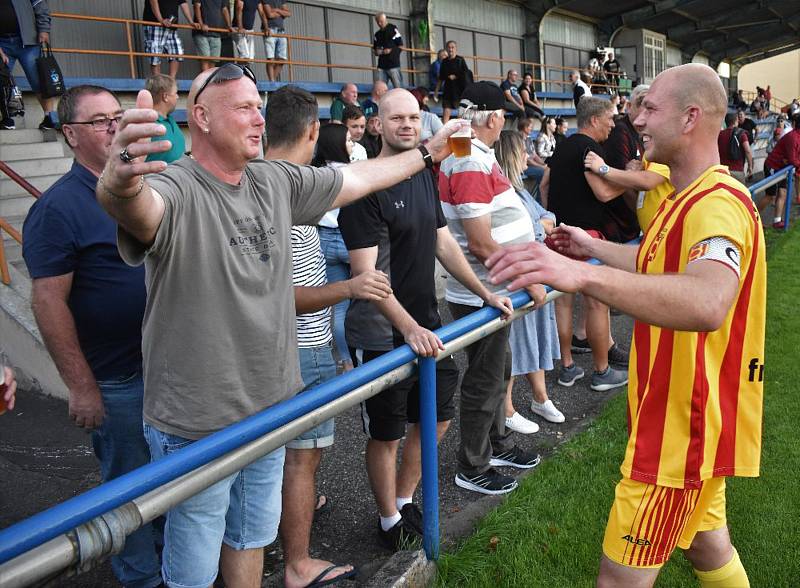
64, 517
775, 178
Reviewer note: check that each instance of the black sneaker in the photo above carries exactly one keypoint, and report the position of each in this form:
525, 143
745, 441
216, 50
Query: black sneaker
516, 458
413, 516
402, 536
580, 345
47, 123
489, 482
618, 357
8, 124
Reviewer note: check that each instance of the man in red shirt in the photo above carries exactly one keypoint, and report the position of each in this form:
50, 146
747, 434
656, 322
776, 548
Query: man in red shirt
735, 161
786, 152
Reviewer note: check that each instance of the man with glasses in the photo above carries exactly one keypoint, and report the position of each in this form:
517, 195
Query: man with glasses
89, 305
219, 337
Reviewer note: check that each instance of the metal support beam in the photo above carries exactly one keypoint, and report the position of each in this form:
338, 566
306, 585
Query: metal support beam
423, 36
635, 18
737, 51
744, 60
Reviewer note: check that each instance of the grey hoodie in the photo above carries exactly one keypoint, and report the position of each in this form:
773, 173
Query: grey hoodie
33, 17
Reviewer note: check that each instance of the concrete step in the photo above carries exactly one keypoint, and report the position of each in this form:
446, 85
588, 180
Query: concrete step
42, 167
22, 151
9, 188
21, 136
15, 205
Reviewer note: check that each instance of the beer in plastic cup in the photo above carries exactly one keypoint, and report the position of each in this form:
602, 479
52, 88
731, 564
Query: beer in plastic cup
460, 142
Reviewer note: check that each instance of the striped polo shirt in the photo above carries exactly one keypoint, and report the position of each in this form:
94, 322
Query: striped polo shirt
695, 398
472, 187
308, 269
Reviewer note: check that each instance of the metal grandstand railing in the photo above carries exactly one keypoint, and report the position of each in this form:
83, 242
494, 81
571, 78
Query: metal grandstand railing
5, 275
131, 53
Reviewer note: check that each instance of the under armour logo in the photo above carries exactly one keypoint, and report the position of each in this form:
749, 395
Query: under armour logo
400, 204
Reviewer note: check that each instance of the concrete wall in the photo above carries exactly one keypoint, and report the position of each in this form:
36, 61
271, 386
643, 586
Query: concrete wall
782, 72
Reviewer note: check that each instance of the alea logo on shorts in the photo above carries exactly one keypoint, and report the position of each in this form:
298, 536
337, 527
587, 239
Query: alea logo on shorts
636, 541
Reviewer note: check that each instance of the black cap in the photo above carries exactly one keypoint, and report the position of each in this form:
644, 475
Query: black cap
483, 96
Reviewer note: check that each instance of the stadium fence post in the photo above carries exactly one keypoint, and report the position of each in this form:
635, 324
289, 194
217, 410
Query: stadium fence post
430, 457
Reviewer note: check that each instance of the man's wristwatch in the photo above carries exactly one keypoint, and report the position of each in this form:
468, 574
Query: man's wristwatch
603, 170
426, 156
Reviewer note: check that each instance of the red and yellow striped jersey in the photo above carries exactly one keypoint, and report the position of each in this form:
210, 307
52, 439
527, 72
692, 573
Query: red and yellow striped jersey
695, 399
648, 202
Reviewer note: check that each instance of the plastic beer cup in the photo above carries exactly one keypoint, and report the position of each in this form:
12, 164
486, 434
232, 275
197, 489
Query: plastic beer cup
460, 142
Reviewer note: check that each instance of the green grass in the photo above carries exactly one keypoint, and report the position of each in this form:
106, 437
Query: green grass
549, 532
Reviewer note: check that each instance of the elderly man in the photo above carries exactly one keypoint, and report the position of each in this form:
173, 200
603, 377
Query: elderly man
214, 227
89, 305
387, 43
348, 96
483, 212
579, 88
164, 91
401, 230
370, 104
514, 103
697, 288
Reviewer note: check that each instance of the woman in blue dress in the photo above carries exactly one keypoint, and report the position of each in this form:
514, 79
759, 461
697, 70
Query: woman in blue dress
534, 337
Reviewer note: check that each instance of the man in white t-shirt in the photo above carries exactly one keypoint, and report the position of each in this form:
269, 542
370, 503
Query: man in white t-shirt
313, 300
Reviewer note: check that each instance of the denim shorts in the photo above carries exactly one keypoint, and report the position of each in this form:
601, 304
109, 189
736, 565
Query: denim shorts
316, 366
243, 510
275, 47
26, 55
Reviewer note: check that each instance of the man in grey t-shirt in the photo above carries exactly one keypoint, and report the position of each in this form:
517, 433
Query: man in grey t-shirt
219, 340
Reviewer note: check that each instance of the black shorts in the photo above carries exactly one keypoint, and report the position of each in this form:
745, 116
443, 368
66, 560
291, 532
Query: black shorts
384, 416
772, 190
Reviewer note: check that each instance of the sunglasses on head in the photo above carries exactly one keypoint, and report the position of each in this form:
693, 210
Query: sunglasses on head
226, 73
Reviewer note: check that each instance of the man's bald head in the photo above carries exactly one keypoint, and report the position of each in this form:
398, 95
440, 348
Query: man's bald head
396, 100
400, 121
197, 84
695, 84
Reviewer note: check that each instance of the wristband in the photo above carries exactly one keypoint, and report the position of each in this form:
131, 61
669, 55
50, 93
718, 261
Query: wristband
426, 156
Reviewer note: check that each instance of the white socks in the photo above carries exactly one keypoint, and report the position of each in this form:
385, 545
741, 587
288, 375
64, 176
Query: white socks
401, 501
389, 522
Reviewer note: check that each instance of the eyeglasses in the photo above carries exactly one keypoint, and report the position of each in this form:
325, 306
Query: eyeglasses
99, 125
226, 73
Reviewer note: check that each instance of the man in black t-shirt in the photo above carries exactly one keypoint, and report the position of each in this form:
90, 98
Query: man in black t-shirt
397, 231
387, 45
578, 197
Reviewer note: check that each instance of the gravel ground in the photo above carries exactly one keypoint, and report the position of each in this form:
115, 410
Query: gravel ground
44, 460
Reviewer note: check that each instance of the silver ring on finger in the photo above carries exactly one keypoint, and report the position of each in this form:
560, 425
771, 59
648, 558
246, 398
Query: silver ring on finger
125, 156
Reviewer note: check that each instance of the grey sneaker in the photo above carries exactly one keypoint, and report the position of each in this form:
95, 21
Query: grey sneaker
609, 379
618, 357
567, 376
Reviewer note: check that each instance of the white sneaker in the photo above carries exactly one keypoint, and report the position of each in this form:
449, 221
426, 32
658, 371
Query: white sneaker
547, 410
517, 422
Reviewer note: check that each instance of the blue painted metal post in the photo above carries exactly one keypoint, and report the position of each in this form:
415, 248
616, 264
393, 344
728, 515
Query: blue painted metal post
789, 196
430, 457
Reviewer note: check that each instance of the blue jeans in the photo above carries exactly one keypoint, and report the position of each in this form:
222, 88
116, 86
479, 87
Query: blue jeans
120, 446
392, 75
15, 50
337, 269
316, 366
243, 510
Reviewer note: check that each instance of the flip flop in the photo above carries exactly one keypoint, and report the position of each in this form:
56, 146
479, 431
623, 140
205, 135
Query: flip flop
318, 581
322, 508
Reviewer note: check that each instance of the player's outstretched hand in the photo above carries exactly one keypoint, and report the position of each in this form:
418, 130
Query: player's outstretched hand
370, 285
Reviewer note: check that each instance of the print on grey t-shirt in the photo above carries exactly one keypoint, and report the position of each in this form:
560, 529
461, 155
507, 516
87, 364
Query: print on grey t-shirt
219, 341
